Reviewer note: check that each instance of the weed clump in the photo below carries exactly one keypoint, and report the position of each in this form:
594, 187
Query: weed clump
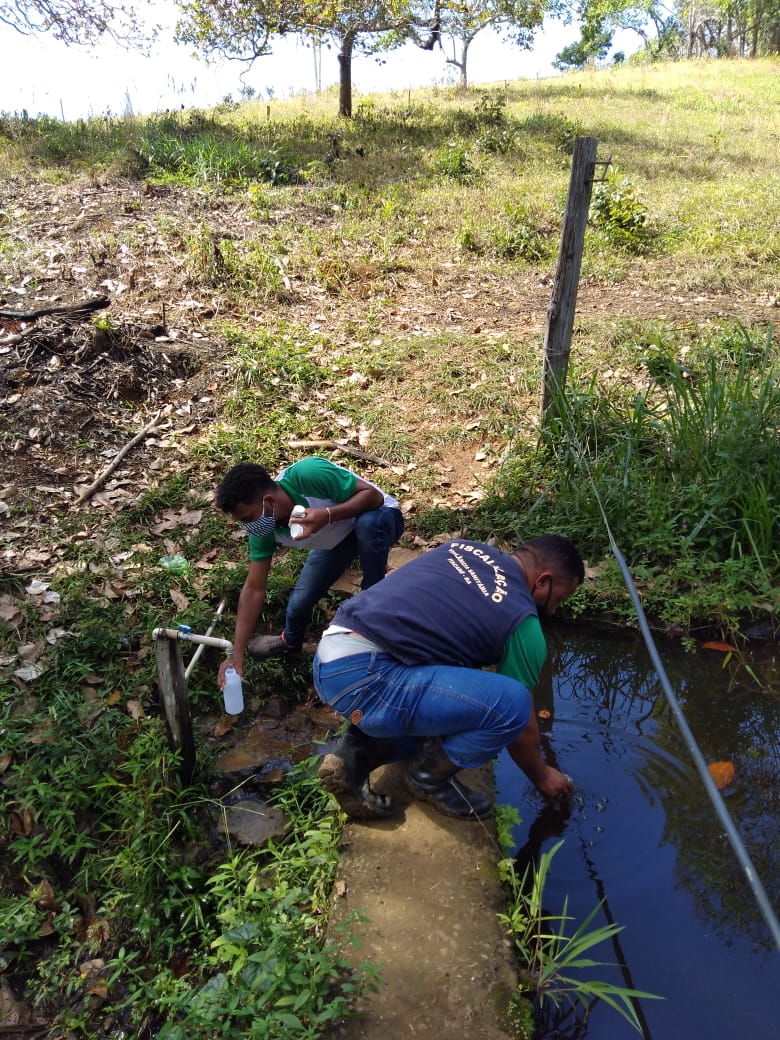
617, 211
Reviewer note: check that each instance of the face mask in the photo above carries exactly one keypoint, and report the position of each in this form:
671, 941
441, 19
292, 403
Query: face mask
260, 528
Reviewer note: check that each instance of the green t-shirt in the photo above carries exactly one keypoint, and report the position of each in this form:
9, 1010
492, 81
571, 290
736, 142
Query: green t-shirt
315, 483
524, 653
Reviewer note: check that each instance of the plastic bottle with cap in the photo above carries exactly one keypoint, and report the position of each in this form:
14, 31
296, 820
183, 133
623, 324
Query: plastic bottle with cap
296, 530
233, 693
176, 564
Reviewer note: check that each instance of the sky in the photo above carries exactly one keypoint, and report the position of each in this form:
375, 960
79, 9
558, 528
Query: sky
42, 76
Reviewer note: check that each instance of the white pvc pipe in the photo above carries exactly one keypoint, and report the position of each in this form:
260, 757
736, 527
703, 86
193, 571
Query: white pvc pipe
209, 630
191, 637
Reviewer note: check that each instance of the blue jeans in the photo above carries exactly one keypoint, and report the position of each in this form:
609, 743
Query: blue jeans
369, 542
476, 713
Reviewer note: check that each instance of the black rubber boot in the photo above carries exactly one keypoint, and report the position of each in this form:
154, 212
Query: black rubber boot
431, 777
344, 773
262, 647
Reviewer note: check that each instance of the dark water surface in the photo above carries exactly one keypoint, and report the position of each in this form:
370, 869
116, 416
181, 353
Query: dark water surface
641, 833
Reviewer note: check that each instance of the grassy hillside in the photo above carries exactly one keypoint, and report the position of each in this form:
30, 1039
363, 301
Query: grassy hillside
279, 278
386, 279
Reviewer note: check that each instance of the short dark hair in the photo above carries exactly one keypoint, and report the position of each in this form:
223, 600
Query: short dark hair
247, 482
558, 553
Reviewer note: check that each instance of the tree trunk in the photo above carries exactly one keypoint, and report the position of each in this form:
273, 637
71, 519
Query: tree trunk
345, 76
691, 29
464, 53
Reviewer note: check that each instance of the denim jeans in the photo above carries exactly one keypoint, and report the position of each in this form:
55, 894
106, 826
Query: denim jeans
476, 713
369, 542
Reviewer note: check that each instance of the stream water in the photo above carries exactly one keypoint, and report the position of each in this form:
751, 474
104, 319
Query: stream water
641, 836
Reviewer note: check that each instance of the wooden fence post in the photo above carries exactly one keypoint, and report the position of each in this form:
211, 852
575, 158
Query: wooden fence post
560, 310
173, 687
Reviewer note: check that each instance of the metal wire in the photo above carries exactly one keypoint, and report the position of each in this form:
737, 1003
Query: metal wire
715, 797
754, 881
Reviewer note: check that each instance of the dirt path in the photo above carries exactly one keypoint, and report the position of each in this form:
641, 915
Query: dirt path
429, 889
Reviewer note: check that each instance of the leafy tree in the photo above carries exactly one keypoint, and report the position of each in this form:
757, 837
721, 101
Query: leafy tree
743, 28
462, 20
659, 27
75, 21
243, 29
682, 28
593, 44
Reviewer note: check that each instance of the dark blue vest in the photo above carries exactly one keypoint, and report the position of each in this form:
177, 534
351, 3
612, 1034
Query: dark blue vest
456, 604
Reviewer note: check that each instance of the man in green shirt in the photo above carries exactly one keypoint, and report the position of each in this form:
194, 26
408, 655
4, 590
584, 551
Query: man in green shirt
342, 518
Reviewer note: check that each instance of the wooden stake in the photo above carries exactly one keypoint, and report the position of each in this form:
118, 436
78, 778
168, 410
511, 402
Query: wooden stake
560, 310
173, 687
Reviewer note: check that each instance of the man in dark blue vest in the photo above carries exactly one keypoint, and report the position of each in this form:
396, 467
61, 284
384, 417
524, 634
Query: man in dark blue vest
403, 663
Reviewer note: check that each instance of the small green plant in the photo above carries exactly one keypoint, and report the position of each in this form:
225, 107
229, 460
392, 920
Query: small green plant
520, 237
548, 955
618, 212
507, 818
260, 199
559, 130
454, 161
498, 140
469, 241
251, 268
491, 107
495, 134
104, 322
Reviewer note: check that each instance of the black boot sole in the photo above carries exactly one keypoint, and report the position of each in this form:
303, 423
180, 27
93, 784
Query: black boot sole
452, 799
265, 655
361, 804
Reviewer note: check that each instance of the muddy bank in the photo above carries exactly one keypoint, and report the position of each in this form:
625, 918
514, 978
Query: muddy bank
428, 888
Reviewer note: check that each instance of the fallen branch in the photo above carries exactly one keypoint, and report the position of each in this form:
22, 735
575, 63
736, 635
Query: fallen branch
14, 1031
84, 307
339, 446
90, 491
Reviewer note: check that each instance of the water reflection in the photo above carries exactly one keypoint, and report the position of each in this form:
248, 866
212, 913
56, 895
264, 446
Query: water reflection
641, 835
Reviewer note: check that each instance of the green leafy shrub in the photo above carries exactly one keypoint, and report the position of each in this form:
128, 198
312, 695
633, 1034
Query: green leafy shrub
559, 130
454, 161
618, 212
491, 108
520, 237
469, 241
498, 140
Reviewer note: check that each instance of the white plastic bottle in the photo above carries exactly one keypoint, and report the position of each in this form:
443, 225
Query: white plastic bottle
232, 692
296, 530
